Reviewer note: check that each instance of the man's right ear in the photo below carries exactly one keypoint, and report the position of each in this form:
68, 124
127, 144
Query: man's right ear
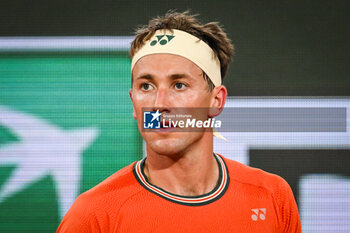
133, 108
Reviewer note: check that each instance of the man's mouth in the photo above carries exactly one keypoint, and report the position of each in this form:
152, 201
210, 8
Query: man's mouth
165, 126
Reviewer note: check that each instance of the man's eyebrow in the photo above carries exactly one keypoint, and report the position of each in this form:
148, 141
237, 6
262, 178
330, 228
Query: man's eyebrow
145, 76
178, 76
172, 76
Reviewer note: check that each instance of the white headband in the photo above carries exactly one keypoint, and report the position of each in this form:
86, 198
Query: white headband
183, 44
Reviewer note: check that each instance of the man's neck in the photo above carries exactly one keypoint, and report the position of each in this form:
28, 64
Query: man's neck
192, 173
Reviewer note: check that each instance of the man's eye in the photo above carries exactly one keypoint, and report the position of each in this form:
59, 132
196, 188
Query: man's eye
146, 86
180, 86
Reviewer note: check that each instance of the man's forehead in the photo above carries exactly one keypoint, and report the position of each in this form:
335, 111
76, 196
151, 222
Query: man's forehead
166, 66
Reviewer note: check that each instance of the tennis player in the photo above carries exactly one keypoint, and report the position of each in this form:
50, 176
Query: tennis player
182, 185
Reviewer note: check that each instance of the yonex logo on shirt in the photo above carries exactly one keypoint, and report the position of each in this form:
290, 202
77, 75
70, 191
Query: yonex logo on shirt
162, 39
261, 215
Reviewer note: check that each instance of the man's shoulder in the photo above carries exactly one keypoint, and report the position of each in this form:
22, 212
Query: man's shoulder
116, 188
255, 177
90, 209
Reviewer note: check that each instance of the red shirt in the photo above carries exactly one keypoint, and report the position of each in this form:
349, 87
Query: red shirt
244, 200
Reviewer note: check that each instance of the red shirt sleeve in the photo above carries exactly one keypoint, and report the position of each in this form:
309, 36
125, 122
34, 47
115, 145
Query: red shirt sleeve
289, 210
78, 219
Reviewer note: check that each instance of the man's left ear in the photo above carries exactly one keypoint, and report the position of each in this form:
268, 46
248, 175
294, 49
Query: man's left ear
218, 100
133, 107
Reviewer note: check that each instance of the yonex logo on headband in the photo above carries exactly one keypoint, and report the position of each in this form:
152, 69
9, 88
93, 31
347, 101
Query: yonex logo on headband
162, 41
185, 45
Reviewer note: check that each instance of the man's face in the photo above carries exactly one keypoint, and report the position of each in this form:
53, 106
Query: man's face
167, 81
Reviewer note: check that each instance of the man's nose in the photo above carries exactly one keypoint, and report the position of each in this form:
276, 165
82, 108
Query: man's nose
161, 99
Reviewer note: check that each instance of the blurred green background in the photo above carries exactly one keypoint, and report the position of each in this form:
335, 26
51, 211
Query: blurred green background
68, 91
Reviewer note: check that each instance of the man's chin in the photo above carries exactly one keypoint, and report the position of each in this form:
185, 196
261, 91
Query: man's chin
167, 146
171, 144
